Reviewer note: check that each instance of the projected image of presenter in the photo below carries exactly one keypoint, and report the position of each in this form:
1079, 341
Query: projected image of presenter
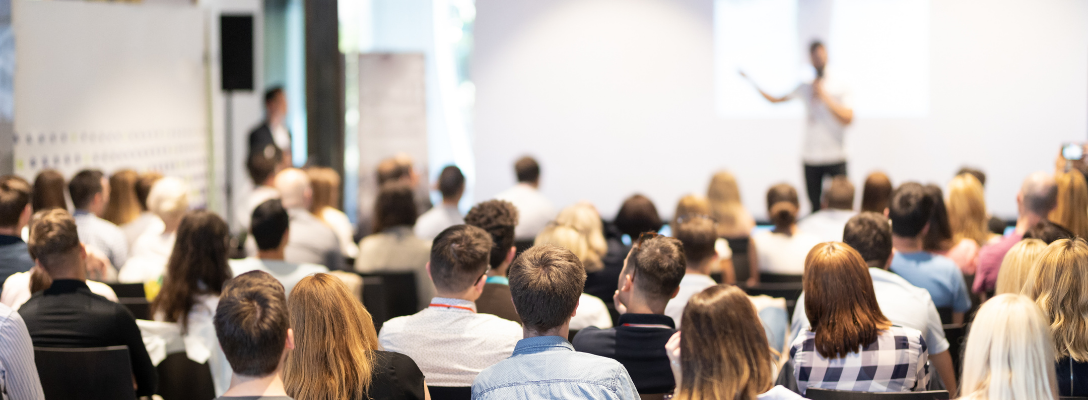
827, 103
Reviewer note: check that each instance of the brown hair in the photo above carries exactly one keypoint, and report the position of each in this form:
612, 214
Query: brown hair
48, 191
1072, 209
782, 205
723, 194
527, 170
53, 238
690, 206
14, 196
262, 165
871, 235
251, 323
657, 265
395, 206
124, 205
498, 218
724, 353
1059, 285
698, 235
967, 209
459, 257
840, 300
197, 265
876, 193
335, 342
325, 184
637, 215
840, 195
143, 186
545, 283
939, 235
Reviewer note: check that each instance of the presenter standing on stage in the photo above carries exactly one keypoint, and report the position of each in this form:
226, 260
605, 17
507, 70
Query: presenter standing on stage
827, 103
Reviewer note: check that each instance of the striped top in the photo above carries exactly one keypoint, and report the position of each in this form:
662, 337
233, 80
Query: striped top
18, 374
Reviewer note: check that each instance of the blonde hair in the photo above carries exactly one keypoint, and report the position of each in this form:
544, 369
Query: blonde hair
168, 198
335, 342
1010, 356
1072, 209
326, 189
967, 209
571, 239
723, 198
1017, 265
690, 205
584, 218
1058, 283
124, 205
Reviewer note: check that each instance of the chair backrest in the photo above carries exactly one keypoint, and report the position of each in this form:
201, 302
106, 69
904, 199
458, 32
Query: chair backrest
183, 379
450, 393
791, 291
85, 373
957, 342
828, 394
946, 314
132, 296
389, 295
779, 278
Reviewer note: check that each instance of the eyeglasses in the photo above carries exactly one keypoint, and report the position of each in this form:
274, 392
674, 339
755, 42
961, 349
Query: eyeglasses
644, 236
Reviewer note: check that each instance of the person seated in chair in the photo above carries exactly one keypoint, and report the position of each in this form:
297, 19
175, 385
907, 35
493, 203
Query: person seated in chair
498, 218
271, 230
254, 330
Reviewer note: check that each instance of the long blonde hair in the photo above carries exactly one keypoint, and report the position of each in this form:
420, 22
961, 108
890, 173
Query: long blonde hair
571, 239
335, 342
723, 195
1072, 210
1058, 283
584, 218
1017, 264
967, 209
123, 206
1010, 355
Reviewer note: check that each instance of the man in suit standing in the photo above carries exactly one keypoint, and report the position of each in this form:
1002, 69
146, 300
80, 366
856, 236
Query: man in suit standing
273, 131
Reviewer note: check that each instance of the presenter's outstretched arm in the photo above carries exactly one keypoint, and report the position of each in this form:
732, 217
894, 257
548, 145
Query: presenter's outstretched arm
769, 98
844, 114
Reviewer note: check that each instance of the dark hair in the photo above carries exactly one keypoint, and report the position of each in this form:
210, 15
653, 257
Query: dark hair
657, 265
840, 195
546, 282
14, 196
840, 301
910, 209
451, 182
261, 165
48, 191
939, 236
698, 236
459, 257
527, 170
782, 205
871, 235
84, 186
393, 169
143, 187
395, 206
815, 44
1048, 232
271, 93
197, 265
498, 218
876, 193
637, 215
251, 323
977, 173
268, 224
53, 237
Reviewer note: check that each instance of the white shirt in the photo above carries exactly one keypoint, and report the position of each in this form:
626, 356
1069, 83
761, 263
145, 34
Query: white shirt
200, 341
827, 224
287, 273
783, 254
691, 285
341, 225
779, 393
534, 210
260, 194
451, 345
436, 220
18, 376
16, 290
102, 235
591, 312
149, 256
145, 222
823, 143
397, 249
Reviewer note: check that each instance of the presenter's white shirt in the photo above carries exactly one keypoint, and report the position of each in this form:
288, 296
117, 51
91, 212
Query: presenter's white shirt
783, 254
534, 210
823, 142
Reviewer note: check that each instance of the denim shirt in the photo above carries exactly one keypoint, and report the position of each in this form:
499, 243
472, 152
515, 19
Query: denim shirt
547, 367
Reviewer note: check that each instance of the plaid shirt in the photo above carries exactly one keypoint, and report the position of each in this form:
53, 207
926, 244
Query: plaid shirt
895, 362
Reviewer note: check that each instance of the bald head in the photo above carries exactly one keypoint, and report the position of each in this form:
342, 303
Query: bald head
1039, 194
294, 188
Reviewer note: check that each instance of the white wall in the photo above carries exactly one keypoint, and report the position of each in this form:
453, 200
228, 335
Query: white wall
617, 96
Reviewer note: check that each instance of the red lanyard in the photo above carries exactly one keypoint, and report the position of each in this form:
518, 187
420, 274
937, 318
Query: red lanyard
452, 306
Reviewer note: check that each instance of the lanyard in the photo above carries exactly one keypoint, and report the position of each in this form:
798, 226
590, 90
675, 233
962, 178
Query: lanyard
656, 326
452, 306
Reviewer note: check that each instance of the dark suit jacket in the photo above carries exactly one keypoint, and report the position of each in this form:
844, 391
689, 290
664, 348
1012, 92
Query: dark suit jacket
261, 137
496, 300
638, 342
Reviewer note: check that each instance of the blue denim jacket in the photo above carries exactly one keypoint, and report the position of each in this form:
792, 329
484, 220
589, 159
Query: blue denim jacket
547, 367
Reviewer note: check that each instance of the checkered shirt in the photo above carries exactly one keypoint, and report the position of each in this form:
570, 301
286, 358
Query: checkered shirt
895, 362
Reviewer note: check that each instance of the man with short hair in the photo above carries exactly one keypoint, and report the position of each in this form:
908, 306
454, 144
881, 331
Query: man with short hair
313, 241
546, 283
67, 314
910, 210
838, 207
650, 278
271, 230
535, 211
272, 135
90, 192
14, 215
451, 183
1037, 197
253, 328
902, 303
498, 218
262, 168
449, 340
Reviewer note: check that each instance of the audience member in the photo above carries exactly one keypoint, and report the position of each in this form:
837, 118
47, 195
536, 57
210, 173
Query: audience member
1037, 197
1058, 283
271, 230
689, 205
67, 314
604, 261
637, 215
696, 206
650, 278
1016, 267
734, 221
782, 250
262, 168
325, 205
911, 212
498, 218
449, 340
967, 217
253, 327
18, 374
124, 206
546, 282
90, 191
146, 220
1048, 232
1071, 211
272, 135
313, 242
20, 286
451, 183
592, 311
1011, 357
534, 210
15, 214
938, 237
169, 201
48, 191
838, 206
995, 225
336, 354
876, 193
399, 168
393, 247
848, 330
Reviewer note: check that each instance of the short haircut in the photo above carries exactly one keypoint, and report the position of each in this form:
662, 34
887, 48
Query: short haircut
395, 206
498, 218
815, 44
1048, 232
876, 193
269, 222
262, 164
84, 186
451, 182
840, 195
14, 197
251, 323
546, 282
910, 209
657, 265
637, 215
459, 257
394, 168
698, 236
271, 93
53, 237
527, 170
1040, 193
975, 172
871, 235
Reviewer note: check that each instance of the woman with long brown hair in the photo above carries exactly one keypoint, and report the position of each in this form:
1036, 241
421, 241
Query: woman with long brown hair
325, 205
848, 331
1058, 283
123, 206
48, 191
337, 355
876, 193
782, 250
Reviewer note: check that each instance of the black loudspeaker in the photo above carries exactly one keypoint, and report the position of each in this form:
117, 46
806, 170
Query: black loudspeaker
236, 51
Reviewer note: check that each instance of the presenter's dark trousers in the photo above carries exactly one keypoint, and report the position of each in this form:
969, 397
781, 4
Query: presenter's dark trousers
814, 180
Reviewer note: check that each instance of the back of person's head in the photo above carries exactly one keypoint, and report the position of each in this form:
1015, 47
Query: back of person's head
272, 94
637, 214
656, 265
840, 301
545, 283
967, 209
48, 191
574, 241
451, 182
294, 188
583, 216
459, 257
392, 169
1058, 283
910, 209
84, 186
975, 173
54, 241
1017, 265
169, 199
782, 205
1048, 232
498, 218
723, 194
1013, 356
698, 236
691, 205
876, 193
263, 165
123, 206
334, 342
939, 236
395, 206
724, 353
197, 265
1072, 209
15, 195
1039, 194
325, 185
252, 323
840, 194
143, 187
870, 234
268, 225
527, 170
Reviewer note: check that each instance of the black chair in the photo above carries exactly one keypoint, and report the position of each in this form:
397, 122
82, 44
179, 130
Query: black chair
183, 379
450, 393
522, 245
1072, 398
946, 314
778, 278
827, 394
389, 295
132, 296
957, 342
741, 263
789, 291
99, 373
